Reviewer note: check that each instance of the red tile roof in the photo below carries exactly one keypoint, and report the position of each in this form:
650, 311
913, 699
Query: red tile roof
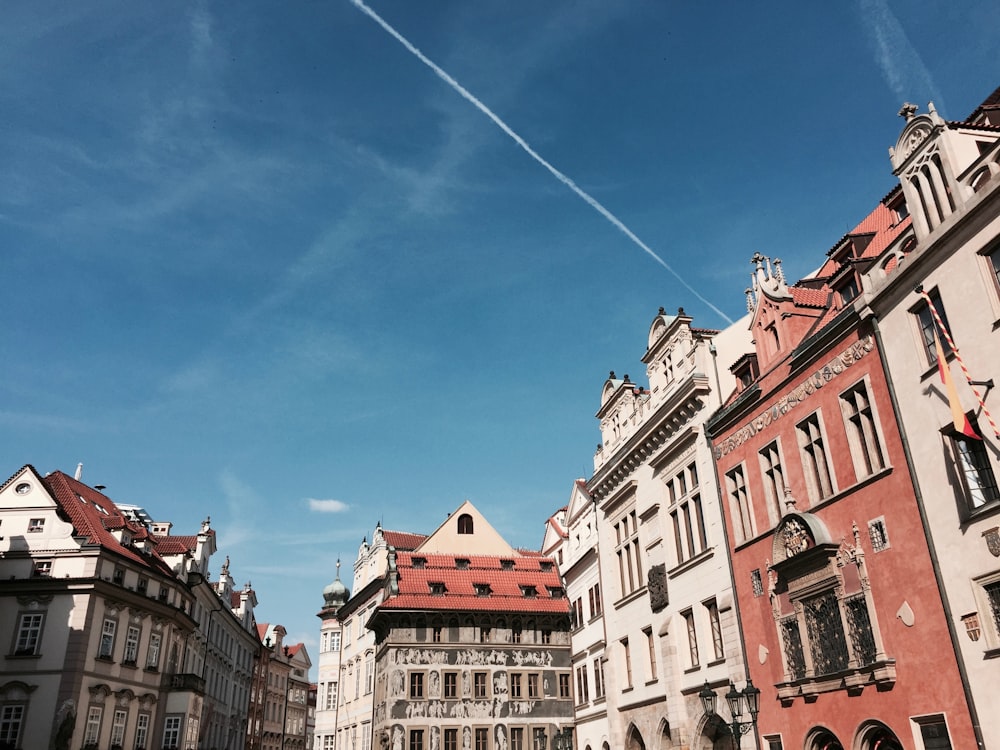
403, 540
505, 581
93, 515
806, 297
177, 545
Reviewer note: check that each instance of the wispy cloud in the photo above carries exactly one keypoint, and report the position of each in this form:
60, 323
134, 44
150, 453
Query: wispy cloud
901, 65
327, 506
523, 144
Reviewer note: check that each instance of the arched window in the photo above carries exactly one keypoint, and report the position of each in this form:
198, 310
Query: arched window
465, 524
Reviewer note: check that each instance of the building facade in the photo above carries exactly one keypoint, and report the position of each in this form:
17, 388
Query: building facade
345, 693
949, 176
644, 550
835, 582
472, 645
105, 615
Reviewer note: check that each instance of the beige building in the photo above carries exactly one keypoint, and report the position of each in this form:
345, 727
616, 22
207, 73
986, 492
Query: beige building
103, 614
644, 554
472, 645
949, 196
346, 668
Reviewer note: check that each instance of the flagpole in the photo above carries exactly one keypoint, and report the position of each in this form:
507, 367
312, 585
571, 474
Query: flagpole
951, 343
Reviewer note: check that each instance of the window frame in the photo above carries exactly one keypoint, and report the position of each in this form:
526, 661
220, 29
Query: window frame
864, 430
27, 634
975, 459
821, 481
740, 503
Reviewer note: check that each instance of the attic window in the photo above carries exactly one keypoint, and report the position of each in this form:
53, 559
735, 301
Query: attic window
555, 592
437, 588
529, 592
419, 562
100, 509
546, 566
482, 589
126, 539
506, 564
465, 524
849, 290
462, 563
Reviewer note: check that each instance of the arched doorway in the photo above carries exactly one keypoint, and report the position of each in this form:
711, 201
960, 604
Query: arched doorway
715, 734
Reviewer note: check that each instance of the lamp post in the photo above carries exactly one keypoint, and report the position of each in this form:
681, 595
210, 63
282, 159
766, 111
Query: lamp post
563, 739
745, 701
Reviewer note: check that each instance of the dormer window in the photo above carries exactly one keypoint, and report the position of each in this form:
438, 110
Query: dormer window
529, 592
437, 588
419, 562
555, 592
746, 371
849, 290
482, 589
462, 563
506, 564
546, 566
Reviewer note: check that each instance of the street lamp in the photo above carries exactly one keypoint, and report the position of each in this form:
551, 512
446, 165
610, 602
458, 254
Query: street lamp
563, 739
740, 702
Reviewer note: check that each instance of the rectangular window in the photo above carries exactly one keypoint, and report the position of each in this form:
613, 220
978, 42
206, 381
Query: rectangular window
416, 739
485, 635
716, 623
131, 645
29, 634
416, 685
92, 729
773, 742
515, 685
331, 696
118, 727
756, 583
774, 481
482, 738
594, 596
141, 730
862, 435
436, 635
925, 322
651, 649
41, 569
451, 685
692, 635
739, 504
582, 691
532, 686
627, 551
539, 740
546, 637
335, 641
934, 733
992, 591
598, 679
564, 686
450, 739
11, 719
107, 645
153, 651
479, 682
975, 469
369, 674
878, 534
815, 463
515, 633
627, 659
36, 525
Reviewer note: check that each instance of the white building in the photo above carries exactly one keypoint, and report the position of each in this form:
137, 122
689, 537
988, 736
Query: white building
644, 551
949, 195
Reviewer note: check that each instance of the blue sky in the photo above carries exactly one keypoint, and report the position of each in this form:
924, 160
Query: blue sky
259, 255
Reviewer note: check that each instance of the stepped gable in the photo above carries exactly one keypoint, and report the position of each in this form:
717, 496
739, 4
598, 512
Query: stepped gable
507, 578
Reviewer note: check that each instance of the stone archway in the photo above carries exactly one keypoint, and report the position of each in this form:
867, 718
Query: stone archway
874, 735
821, 738
713, 734
633, 739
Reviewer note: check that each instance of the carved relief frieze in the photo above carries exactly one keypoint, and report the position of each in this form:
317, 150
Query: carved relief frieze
656, 582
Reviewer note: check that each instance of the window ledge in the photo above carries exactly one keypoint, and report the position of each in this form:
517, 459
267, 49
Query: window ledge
23, 656
691, 562
991, 653
652, 681
692, 670
630, 597
881, 674
991, 508
716, 663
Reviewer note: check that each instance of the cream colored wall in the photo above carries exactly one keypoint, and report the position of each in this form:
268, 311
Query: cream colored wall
485, 540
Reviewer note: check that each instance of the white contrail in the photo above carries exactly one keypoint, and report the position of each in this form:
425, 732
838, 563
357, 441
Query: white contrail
534, 154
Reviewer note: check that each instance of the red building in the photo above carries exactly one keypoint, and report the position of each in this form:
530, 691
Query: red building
840, 610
